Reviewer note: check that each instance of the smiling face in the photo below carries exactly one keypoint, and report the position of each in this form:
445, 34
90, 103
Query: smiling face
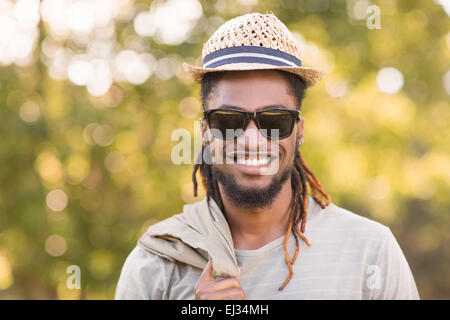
253, 91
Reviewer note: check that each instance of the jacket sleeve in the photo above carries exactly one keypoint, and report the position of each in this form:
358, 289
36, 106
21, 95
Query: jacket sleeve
143, 277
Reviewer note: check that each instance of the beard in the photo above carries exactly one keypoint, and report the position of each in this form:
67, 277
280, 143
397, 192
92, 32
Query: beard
251, 198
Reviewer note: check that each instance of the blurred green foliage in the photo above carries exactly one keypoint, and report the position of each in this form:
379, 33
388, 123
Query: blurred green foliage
384, 156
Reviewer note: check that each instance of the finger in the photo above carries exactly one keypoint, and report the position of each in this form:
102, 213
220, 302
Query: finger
236, 297
218, 285
207, 273
225, 294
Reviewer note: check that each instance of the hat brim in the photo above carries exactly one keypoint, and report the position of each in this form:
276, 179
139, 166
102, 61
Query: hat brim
310, 75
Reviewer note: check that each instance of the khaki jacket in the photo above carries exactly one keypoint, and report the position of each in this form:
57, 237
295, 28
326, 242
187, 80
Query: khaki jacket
193, 237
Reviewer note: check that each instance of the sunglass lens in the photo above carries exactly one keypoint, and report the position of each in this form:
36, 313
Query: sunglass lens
221, 120
280, 120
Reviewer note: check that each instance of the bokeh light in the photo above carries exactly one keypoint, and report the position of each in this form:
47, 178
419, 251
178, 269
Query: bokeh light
49, 167
389, 80
18, 31
115, 162
103, 135
446, 82
169, 21
133, 67
6, 276
30, 112
190, 107
77, 168
55, 245
57, 200
337, 89
378, 188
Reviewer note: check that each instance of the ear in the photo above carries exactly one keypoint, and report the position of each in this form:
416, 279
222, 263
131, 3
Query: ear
300, 131
205, 132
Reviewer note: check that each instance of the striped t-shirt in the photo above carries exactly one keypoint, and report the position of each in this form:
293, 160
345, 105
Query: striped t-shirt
351, 257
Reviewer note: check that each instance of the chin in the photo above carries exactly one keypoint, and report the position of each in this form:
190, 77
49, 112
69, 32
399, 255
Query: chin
250, 191
254, 182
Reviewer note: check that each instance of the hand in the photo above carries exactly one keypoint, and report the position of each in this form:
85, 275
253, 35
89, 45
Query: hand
207, 288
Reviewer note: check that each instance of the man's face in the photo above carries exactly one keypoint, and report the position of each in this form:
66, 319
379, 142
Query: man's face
252, 91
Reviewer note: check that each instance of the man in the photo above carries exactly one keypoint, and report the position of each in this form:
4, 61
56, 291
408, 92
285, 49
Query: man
248, 238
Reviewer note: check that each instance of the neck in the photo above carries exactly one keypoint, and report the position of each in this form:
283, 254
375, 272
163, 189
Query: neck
255, 227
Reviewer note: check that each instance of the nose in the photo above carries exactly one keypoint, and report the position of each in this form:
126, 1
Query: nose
252, 138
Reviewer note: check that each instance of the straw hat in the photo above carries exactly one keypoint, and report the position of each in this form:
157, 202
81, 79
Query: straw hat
251, 42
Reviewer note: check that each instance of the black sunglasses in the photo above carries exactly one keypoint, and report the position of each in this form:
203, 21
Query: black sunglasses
279, 119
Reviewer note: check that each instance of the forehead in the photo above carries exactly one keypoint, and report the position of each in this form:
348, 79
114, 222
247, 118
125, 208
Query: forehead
252, 90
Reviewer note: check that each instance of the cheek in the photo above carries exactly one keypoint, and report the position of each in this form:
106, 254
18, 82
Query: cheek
290, 145
219, 148
289, 152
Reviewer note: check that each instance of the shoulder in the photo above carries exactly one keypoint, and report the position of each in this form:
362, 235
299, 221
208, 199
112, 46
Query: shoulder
358, 239
143, 275
149, 276
140, 259
335, 221
191, 213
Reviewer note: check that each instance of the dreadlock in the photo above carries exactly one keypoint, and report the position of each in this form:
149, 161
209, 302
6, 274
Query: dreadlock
301, 175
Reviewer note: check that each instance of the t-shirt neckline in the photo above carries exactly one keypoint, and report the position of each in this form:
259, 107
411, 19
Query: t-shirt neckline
312, 207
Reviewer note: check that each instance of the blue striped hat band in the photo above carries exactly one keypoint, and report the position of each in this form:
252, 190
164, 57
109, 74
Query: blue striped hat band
250, 54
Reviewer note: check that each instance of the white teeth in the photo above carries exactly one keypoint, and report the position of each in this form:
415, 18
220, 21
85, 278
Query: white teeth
253, 162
